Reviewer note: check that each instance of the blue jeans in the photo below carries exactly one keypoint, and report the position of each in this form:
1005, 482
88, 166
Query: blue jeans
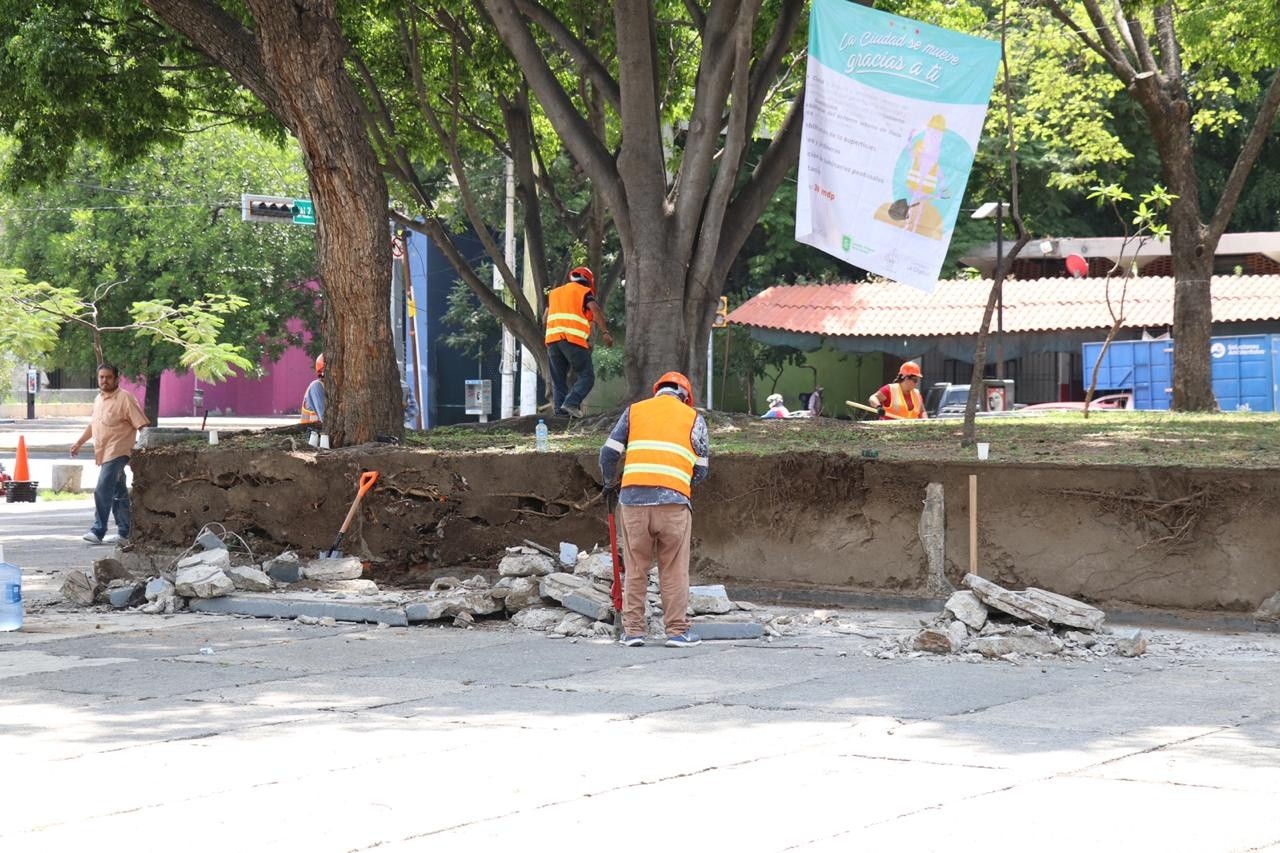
564, 357
111, 497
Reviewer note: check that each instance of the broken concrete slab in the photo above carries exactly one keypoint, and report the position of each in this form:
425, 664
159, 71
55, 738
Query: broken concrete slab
80, 587
597, 565
249, 578
1269, 610
333, 569
965, 605
286, 568
450, 604
708, 629
539, 618
589, 602
217, 558
275, 606
1023, 644
203, 581
709, 599
1130, 644
559, 584
1007, 601
125, 593
359, 586
525, 562
521, 593
157, 588
936, 640
1067, 611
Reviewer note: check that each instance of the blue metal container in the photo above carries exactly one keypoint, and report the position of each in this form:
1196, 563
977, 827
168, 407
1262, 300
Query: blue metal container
1244, 370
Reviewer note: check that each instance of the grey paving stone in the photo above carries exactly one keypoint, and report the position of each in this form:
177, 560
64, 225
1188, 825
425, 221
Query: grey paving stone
272, 606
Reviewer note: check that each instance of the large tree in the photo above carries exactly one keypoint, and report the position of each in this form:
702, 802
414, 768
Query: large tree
681, 211
109, 72
165, 228
1194, 70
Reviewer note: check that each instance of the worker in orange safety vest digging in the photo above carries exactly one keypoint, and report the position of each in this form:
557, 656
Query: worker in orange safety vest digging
666, 448
571, 310
901, 399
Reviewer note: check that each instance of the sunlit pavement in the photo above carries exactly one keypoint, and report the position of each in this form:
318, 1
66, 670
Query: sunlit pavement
122, 731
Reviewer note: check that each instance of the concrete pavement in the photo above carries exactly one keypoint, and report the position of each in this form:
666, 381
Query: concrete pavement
125, 731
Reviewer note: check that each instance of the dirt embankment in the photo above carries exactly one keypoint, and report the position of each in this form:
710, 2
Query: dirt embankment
1162, 537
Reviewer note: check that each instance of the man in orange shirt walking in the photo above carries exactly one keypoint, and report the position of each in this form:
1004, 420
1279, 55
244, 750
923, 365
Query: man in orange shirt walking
113, 427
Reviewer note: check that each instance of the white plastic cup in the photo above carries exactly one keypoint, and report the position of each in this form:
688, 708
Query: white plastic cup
983, 449
313, 438
213, 436
324, 441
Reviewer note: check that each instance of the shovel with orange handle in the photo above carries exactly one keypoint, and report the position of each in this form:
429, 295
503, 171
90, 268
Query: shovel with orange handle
367, 479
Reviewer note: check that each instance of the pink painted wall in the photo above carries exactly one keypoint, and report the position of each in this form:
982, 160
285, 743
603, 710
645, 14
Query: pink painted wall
278, 392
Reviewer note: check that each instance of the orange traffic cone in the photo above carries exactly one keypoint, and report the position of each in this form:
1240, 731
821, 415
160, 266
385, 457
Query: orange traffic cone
20, 473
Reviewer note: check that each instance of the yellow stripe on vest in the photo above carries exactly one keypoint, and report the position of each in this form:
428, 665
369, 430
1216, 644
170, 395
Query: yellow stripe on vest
650, 468
665, 447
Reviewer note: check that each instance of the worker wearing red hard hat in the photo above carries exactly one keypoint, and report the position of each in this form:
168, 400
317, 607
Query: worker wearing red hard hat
900, 399
313, 399
572, 308
663, 446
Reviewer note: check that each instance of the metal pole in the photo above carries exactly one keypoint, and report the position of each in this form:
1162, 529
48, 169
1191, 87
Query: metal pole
711, 337
999, 291
508, 369
33, 379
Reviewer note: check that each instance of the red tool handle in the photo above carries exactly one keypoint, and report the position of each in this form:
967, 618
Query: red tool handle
615, 591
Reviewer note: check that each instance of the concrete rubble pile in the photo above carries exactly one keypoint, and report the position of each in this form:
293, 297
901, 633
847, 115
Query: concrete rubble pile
988, 621
533, 590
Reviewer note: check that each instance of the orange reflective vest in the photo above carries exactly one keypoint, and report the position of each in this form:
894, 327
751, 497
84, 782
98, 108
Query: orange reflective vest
898, 402
659, 444
565, 320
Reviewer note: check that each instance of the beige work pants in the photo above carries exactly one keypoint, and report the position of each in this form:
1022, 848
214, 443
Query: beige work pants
659, 532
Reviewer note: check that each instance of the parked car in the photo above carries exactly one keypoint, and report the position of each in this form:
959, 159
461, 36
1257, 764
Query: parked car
1105, 403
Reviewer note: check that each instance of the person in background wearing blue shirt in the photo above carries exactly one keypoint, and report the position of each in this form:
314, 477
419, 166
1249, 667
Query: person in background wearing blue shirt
313, 400
665, 444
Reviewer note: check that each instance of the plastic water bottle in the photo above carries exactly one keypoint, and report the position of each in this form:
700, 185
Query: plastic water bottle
10, 595
540, 439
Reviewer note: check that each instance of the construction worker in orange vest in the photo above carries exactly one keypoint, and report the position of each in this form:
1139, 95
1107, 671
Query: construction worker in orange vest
901, 399
666, 448
313, 399
571, 309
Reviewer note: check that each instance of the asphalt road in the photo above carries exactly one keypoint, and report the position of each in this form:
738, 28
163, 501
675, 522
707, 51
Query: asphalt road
122, 731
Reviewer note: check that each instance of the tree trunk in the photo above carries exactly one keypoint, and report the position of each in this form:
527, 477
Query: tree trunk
303, 53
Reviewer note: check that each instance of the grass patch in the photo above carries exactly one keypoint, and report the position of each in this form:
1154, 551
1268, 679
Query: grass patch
51, 495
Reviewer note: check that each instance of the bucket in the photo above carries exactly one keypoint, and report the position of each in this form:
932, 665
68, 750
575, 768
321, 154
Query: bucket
20, 491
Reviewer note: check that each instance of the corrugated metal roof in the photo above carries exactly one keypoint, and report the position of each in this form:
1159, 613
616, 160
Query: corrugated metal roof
879, 308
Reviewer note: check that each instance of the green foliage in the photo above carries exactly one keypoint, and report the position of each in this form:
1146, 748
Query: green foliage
159, 244
473, 331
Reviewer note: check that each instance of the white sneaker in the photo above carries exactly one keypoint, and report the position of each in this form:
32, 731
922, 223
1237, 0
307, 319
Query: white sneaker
92, 538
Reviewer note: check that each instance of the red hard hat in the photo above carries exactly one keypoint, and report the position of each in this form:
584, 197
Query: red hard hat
677, 379
582, 275
320, 363
909, 368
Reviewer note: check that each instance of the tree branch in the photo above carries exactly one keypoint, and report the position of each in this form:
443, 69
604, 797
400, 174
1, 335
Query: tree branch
1245, 161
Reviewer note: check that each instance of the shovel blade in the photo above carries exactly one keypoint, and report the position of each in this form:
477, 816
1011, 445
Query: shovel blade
330, 554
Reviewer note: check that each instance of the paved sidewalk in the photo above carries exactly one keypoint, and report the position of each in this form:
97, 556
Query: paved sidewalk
126, 731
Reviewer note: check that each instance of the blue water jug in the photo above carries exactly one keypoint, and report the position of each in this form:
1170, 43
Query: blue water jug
10, 595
